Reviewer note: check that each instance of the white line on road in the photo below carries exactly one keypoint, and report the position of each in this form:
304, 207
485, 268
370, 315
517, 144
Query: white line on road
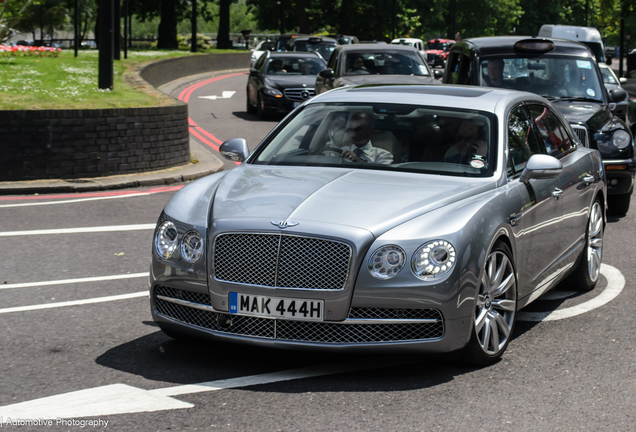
71, 281
124, 399
615, 284
77, 200
74, 302
80, 230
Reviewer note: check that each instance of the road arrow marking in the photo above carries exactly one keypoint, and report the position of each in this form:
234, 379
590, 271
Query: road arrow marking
225, 95
124, 399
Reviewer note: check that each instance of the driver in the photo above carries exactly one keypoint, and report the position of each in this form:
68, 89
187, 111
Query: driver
360, 130
357, 67
495, 73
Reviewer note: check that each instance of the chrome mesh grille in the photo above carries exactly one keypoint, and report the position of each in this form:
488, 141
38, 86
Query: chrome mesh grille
581, 132
306, 331
281, 261
299, 94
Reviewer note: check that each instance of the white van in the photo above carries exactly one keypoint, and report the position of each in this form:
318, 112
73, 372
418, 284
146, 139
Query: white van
417, 43
586, 35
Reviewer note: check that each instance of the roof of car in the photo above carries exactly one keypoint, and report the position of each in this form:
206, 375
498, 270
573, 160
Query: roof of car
375, 47
294, 54
441, 40
450, 96
305, 38
493, 45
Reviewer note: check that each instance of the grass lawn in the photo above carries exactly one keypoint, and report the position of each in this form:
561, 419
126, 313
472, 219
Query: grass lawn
66, 82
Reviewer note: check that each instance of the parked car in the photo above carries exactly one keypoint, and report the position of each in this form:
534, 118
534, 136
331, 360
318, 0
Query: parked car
437, 51
260, 49
564, 72
279, 82
307, 245
374, 64
612, 82
322, 45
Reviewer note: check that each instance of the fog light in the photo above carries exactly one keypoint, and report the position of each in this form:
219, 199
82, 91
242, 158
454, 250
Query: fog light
614, 182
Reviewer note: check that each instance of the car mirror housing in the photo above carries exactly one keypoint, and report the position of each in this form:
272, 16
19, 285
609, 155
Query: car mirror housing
235, 149
254, 72
541, 166
438, 74
326, 73
622, 80
617, 95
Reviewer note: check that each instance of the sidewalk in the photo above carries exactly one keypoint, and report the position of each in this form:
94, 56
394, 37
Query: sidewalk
203, 163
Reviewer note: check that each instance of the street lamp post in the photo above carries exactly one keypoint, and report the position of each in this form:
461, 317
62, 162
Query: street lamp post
76, 25
193, 40
105, 67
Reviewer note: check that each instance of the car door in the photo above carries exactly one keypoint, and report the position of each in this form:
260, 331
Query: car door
573, 182
536, 225
253, 82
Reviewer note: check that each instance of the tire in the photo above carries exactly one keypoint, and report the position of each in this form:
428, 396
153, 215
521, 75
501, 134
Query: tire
250, 109
619, 204
260, 109
588, 267
495, 309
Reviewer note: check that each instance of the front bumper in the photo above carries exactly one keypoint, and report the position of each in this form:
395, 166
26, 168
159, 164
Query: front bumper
620, 181
366, 329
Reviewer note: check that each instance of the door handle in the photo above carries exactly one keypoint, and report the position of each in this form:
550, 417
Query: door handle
588, 179
514, 219
556, 193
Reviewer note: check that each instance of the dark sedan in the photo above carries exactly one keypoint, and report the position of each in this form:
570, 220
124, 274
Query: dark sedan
279, 82
374, 64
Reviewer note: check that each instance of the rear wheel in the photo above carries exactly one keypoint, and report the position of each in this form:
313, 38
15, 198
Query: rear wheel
619, 204
585, 275
495, 309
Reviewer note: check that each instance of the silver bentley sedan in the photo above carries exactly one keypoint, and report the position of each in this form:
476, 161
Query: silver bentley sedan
400, 218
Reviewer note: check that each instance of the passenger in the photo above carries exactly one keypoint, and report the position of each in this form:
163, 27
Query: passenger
306, 68
360, 129
495, 73
468, 146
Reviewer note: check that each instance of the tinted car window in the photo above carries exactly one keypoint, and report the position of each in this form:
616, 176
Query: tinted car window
322, 48
522, 141
436, 46
608, 76
398, 137
294, 66
548, 76
551, 130
384, 63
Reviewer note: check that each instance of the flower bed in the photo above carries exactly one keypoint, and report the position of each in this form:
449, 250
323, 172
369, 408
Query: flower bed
33, 51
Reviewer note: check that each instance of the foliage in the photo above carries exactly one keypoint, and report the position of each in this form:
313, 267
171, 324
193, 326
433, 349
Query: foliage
203, 41
44, 16
11, 11
30, 51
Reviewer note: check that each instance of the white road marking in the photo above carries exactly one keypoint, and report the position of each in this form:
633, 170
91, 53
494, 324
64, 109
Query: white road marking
112, 228
615, 284
125, 399
77, 200
225, 95
73, 302
71, 281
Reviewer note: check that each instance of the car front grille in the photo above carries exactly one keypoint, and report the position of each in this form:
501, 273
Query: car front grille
581, 132
430, 57
299, 94
281, 261
350, 332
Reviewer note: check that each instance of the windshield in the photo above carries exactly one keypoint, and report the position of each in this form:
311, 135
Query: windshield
551, 77
386, 136
436, 46
385, 63
323, 48
294, 66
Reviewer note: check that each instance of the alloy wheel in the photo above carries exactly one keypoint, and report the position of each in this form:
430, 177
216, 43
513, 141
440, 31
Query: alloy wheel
595, 242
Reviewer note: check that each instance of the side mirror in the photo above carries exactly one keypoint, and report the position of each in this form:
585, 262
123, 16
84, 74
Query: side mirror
541, 166
254, 72
235, 150
617, 95
326, 73
622, 80
438, 74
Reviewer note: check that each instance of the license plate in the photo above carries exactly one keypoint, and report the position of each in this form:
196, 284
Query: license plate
276, 307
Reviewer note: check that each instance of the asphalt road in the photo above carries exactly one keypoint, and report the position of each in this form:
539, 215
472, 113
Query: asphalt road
88, 351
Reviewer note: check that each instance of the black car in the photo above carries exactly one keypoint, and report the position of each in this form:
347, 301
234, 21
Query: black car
322, 45
279, 82
566, 73
374, 64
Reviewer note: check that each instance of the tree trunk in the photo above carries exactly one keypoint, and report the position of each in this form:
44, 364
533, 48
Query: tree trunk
223, 37
168, 26
345, 17
303, 17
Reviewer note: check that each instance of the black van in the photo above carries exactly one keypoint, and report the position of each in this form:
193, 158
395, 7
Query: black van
566, 73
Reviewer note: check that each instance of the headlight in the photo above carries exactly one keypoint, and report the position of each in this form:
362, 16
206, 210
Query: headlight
433, 260
386, 262
191, 246
166, 239
621, 139
272, 92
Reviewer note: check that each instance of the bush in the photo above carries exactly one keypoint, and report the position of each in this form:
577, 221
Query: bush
31, 51
203, 41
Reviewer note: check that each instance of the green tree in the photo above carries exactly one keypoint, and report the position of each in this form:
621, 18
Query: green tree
11, 12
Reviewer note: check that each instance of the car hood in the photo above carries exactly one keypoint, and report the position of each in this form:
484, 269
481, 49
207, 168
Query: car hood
594, 115
368, 199
384, 79
292, 81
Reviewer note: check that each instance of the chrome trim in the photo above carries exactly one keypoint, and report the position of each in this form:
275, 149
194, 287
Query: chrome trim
385, 321
617, 161
582, 134
187, 303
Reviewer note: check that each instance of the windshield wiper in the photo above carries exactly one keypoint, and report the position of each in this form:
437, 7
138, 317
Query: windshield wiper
572, 99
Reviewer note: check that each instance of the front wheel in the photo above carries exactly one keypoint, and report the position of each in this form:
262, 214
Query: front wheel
619, 204
495, 309
260, 106
250, 107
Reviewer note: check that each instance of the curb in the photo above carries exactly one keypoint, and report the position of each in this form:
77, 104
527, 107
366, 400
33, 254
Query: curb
206, 164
